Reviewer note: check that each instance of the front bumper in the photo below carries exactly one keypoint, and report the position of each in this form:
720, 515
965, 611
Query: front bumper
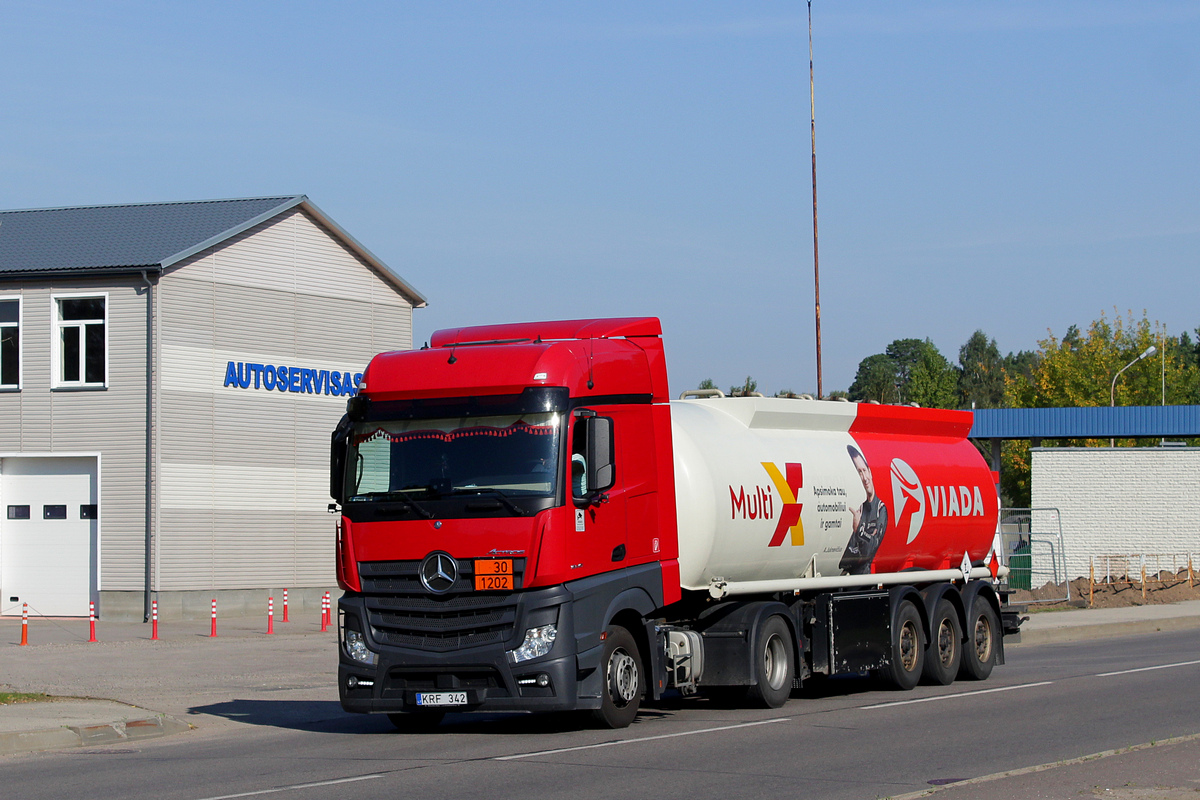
482, 672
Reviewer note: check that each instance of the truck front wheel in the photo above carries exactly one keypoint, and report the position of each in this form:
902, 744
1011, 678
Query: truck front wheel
908, 649
623, 683
774, 665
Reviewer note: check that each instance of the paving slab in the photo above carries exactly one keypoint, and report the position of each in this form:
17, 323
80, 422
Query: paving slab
1093, 623
76, 722
1175, 765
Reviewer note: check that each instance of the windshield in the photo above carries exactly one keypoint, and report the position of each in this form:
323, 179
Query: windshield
509, 455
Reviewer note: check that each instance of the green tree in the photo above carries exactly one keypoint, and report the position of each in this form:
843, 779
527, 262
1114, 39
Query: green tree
749, 386
908, 371
981, 376
876, 380
707, 383
905, 355
933, 381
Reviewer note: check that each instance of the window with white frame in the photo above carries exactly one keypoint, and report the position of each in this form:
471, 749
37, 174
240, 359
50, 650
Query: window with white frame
80, 343
10, 343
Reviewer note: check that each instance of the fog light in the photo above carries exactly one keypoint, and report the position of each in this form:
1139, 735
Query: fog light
541, 680
538, 642
354, 682
356, 647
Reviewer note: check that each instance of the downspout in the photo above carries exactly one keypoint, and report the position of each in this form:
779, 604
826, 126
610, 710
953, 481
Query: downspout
149, 542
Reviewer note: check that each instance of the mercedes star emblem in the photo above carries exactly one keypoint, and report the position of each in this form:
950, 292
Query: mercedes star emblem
439, 571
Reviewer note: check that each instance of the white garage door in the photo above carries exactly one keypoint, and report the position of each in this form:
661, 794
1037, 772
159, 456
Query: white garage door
48, 535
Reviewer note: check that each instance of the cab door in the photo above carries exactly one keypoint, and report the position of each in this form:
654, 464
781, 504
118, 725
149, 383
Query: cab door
597, 492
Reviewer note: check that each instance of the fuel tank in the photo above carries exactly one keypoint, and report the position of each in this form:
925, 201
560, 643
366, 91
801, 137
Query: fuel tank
772, 489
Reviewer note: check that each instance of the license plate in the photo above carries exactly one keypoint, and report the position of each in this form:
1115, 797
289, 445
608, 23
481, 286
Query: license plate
441, 698
493, 574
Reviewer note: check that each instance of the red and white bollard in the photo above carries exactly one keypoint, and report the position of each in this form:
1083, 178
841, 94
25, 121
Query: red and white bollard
324, 612
154, 620
24, 624
285, 619
214, 620
270, 615
92, 621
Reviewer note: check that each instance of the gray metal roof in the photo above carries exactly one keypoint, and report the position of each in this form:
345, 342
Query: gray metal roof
146, 235
88, 240
1095, 422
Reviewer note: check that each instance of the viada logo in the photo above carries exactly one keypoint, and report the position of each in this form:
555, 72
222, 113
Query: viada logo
909, 498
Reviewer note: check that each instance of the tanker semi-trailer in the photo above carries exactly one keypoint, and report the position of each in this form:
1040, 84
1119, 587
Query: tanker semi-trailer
529, 523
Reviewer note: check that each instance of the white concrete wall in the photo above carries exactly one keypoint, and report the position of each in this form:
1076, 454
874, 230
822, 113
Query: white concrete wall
1119, 501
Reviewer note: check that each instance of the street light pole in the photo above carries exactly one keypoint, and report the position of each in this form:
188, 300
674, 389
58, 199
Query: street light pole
1112, 391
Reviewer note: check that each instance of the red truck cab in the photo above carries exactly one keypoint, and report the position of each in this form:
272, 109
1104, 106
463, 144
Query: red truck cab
505, 492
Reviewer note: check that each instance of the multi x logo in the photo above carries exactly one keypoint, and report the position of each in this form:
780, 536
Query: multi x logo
913, 500
760, 503
788, 484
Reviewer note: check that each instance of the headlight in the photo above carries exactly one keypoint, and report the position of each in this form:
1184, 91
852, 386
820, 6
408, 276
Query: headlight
356, 647
538, 642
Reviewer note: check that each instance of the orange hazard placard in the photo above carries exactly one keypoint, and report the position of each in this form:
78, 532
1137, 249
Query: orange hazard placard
493, 574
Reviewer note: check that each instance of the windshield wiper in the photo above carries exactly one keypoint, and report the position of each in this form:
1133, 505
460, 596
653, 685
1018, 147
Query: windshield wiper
496, 493
404, 499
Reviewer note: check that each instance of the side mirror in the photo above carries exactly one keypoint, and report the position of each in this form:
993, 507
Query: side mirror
337, 458
600, 454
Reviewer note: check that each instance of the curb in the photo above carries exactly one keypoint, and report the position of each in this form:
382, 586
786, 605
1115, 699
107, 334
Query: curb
1104, 630
87, 735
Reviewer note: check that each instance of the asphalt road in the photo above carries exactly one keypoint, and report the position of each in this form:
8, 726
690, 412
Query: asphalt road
840, 739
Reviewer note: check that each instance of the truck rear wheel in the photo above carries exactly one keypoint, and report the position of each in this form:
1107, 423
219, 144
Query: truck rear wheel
944, 654
908, 649
623, 682
983, 641
774, 665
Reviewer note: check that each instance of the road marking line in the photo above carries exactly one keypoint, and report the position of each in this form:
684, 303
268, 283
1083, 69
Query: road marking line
1147, 669
638, 741
297, 786
958, 694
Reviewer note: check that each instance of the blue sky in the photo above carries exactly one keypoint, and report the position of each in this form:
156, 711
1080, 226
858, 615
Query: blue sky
1009, 166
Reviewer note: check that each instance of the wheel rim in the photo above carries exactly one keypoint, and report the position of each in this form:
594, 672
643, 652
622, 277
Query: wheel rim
946, 643
908, 646
775, 662
623, 677
983, 639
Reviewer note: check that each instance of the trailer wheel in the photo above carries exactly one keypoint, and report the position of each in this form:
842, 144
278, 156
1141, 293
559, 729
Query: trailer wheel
623, 683
944, 653
983, 641
416, 721
773, 665
908, 651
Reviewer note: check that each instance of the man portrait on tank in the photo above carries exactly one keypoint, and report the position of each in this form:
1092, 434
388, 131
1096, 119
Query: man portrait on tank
868, 525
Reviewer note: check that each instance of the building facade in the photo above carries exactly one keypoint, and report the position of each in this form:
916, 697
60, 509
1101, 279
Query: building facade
1117, 504
169, 377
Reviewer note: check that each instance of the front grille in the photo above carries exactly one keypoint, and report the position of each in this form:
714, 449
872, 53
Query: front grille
402, 613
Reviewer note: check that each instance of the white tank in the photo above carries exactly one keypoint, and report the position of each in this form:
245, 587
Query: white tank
743, 465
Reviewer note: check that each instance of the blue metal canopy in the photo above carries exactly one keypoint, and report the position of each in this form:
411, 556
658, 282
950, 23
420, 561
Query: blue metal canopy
1094, 422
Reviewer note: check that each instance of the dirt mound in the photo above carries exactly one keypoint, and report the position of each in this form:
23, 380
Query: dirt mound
1166, 588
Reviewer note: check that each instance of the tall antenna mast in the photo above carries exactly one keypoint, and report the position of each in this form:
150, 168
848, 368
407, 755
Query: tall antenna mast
812, 101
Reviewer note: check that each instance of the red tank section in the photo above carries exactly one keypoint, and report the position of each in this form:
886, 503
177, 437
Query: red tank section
937, 487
